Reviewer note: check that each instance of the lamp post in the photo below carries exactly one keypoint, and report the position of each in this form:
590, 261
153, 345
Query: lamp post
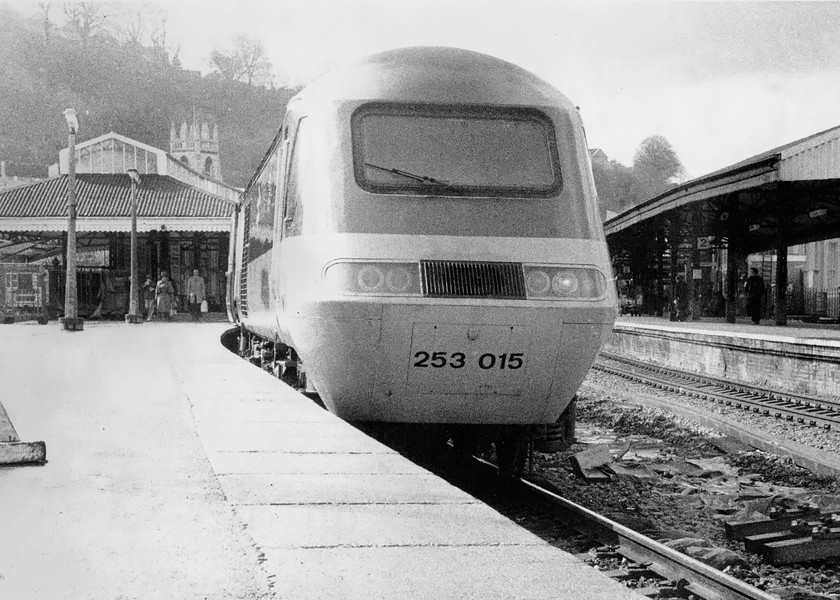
134, 315
71, 320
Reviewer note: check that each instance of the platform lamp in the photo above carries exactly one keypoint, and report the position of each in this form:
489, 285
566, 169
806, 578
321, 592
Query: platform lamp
134, 315
71, 320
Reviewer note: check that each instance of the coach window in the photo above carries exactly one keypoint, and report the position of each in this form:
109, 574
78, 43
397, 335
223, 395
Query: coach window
296, 178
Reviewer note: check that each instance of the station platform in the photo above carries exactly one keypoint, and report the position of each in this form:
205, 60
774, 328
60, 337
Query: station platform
177, 470
800, 358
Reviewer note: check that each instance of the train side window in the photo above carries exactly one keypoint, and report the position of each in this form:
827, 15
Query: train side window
296, 176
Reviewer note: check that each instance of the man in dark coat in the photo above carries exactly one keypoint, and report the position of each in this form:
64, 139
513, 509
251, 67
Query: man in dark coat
754, 288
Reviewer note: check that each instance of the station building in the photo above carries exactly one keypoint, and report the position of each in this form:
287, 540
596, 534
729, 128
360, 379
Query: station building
184, 218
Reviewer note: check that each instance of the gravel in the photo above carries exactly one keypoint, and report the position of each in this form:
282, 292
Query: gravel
676, 503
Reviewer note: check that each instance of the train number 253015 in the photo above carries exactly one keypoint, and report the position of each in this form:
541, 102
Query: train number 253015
456, 360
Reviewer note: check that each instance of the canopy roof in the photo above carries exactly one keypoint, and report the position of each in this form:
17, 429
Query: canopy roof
104, 204
795, 188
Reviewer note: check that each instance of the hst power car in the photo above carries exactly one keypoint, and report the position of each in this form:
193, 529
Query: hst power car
423, 235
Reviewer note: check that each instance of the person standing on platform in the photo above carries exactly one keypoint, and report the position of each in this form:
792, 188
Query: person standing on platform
164, 291
681, 298
754, 289
149, 296
195, 294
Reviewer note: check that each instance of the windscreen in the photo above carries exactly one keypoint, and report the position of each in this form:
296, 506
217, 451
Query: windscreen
459, 151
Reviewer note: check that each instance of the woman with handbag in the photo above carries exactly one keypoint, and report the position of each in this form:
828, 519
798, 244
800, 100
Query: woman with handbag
164, 291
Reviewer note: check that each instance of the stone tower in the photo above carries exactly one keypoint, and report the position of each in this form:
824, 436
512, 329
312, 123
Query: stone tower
194, 140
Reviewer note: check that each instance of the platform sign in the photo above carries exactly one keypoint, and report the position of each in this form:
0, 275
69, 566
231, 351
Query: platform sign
705, 242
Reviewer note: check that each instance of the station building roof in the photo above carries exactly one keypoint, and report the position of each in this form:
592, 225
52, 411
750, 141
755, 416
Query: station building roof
114, 153
104, 204
796, 185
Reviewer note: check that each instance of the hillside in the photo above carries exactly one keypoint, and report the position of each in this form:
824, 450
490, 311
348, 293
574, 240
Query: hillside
124, 87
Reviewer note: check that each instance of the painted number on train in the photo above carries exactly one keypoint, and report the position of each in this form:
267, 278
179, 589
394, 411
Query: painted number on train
457, 360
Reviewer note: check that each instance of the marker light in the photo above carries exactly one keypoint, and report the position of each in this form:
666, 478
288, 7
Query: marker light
566, 283
374, 278
370, 278
537, 282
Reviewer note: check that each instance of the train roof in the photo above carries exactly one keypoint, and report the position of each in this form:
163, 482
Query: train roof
433, 75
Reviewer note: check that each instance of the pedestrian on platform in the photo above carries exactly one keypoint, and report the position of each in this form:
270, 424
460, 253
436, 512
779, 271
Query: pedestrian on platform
149, 296
681, 298
754, 289
195, 294
164, 292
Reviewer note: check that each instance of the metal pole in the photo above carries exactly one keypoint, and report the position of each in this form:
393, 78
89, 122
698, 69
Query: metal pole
71, 321
133, 315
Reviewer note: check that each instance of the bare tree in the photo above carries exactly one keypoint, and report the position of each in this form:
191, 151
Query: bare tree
131, 24
158, 34
226, 64
46, 24
256, 67
247, 62
86, 19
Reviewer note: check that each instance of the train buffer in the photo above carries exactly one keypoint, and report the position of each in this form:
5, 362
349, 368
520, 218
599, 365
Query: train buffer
12, 450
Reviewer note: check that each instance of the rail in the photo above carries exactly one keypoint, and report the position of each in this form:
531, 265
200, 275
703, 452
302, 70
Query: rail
702, 580
821, 412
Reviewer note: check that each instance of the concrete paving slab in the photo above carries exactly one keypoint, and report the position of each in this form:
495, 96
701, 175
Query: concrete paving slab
227, 463
297, 439
127, 506
442, 572
263, 412
374, 525
340, 489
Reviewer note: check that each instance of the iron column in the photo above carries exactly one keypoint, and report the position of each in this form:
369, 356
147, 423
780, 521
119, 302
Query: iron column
71, 320
134, 315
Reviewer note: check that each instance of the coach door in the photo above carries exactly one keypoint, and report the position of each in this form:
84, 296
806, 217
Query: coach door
289, 211
282, 168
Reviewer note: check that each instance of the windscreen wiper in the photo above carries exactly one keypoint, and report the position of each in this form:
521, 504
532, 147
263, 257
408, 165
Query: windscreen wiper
408, 175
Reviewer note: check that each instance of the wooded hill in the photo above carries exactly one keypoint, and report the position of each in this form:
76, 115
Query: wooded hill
121, 86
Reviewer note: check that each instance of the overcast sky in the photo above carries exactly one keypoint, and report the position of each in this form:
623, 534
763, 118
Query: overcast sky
721, 81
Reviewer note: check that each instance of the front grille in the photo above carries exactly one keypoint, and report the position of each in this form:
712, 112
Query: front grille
462, 279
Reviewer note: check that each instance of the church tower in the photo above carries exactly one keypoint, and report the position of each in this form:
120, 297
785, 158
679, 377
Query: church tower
194, 140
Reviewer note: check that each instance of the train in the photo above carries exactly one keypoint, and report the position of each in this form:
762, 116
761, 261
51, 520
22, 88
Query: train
421, 245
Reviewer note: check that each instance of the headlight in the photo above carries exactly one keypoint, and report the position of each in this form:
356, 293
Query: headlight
374, 278
567, 283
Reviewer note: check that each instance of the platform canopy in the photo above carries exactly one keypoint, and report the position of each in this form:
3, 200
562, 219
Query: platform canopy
796, 186
33, 217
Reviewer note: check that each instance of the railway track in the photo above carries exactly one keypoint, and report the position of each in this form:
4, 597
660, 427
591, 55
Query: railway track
683, 574
680, 576
816, 412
